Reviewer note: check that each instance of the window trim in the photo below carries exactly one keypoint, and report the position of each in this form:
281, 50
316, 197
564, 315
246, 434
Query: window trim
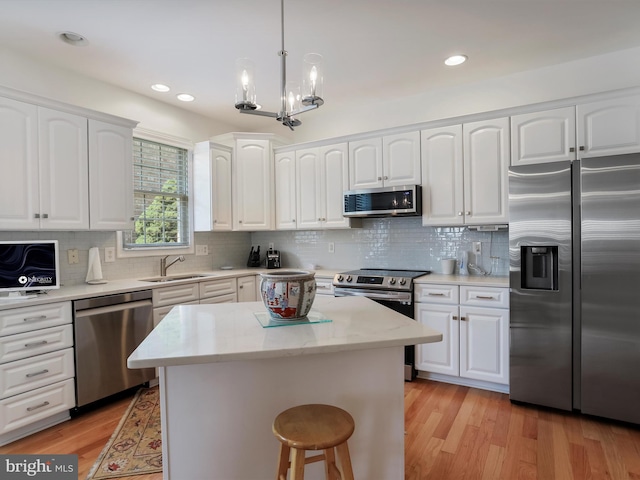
173, 141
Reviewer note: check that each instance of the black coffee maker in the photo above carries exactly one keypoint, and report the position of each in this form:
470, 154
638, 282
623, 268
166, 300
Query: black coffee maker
273, 258
254, 257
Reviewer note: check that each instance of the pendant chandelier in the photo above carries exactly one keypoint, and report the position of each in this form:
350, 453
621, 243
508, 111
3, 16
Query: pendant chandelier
293, 101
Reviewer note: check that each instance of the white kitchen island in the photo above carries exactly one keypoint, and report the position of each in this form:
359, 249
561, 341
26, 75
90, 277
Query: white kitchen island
224, 378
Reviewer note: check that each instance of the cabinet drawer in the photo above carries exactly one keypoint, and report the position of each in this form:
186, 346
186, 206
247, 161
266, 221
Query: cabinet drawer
176, 294
324, 286
228, 298
436, 293
24, 319
26, 408
28, 344
214, 288
34, 372
484, 296
161, 312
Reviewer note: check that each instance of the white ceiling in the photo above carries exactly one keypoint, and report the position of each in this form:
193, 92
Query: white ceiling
373, 49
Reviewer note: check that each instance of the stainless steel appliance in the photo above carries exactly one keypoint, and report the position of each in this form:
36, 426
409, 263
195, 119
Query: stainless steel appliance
273, 258
574, 248
391, 288
107, 329
383, 202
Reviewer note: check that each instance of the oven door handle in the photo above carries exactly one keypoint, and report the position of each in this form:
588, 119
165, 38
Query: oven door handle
389, 296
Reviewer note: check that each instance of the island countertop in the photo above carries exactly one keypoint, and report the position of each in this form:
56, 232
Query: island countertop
198, 334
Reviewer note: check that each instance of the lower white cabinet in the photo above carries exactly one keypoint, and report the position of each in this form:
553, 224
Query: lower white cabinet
247, 288
37, 386
474, 322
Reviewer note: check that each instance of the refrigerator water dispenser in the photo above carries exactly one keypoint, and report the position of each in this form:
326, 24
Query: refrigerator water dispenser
539, 267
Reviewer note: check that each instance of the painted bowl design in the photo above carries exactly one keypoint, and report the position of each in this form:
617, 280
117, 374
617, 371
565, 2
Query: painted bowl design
288, 294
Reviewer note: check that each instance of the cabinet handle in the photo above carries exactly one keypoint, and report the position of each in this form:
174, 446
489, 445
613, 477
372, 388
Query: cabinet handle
455, 317
379, 178
132, 218
239, 221
215, 221
35, 344
240, 286
436, 294
463, 318
386, 178
459, 214
36, 215
319, 219
294, 220
35, 374
43, 404
582, 148
483, 297
467, 213
45, 215
30, 319
572, 149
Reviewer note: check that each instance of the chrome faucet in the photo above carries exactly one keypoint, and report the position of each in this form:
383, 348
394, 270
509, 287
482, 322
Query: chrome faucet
164, 265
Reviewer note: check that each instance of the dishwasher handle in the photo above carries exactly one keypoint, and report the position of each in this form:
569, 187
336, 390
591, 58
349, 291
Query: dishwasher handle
113, 308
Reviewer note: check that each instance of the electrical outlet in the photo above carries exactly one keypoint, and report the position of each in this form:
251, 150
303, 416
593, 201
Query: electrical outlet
72, 256
477, 248
270, 245
109, 254
202, 249
332, 247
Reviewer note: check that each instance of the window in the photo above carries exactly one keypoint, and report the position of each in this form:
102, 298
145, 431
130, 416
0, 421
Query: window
161, 197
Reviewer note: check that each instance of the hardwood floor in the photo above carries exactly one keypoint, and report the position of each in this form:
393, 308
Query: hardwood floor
453, 432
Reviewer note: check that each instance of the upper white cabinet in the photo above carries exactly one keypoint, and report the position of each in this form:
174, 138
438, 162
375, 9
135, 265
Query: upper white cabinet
62, 171
486, 165
110, 176
212, 164
464, 173
253, 175
322, 175
286, 202
609, 127
541, 137
391, 160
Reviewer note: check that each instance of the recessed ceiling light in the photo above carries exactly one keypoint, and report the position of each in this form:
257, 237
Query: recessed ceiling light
159, 87
74, 39
455, 60
185, 97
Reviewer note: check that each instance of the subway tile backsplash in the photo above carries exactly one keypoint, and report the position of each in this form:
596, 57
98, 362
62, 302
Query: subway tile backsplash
384, 242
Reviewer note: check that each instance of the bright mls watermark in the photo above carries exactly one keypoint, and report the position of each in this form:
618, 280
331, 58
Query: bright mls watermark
44, 467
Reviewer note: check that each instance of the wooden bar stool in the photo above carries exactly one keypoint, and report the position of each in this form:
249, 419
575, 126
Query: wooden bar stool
314, 427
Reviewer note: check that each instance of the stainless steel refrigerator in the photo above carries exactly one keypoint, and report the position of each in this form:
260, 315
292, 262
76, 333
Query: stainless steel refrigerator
574, 253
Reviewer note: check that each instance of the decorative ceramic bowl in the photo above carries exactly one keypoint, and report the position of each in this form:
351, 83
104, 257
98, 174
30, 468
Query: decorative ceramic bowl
288, 294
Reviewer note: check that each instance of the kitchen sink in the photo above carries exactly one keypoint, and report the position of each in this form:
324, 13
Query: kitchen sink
171, 278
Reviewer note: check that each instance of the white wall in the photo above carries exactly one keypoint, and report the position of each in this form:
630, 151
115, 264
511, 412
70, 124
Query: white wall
591, 75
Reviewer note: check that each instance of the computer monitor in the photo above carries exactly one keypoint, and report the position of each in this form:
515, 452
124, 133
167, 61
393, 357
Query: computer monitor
29, 266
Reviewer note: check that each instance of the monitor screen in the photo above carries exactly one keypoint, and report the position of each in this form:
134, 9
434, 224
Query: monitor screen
29, 265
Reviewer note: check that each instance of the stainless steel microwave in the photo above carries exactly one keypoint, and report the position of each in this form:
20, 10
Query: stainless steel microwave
383, 202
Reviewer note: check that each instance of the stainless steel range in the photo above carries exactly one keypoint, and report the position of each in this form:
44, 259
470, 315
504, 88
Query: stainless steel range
391, 288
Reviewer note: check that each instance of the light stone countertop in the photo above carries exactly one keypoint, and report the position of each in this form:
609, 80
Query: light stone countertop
477, 280
197, 334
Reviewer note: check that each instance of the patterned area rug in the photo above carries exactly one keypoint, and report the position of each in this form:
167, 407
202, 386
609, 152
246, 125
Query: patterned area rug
135, 448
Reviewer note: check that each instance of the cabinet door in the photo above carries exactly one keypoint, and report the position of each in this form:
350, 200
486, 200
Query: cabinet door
335, 181
308, 186
543, 137
247, 288
365, 164
19, 196
486, 164
442, 176
64, 170
440, 357
110, 176
286, 202
401, 159
212, 187
609, 127
484, 344
253, 180
221, 182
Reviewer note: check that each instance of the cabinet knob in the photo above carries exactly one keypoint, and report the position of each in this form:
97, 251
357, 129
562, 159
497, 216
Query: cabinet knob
319, 219
215, 221
386, 178
467, 213
582, 148
459, 214
294, 220
572, 149
379, 178
133, 218
241, 286
463, 318
455, 317
239, 221
45, 215
36, 215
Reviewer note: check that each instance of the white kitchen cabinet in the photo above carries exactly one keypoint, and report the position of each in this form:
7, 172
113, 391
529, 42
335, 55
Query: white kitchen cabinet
475, 344
253, 180
322, 176
391, 160
110, 176
45, 171
609, 127
36, 369
486, 166
212, 208
542, 137
442, 176
324, 285
247, 288
285, 195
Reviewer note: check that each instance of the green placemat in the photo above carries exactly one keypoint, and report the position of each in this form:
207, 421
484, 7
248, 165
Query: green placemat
267, 321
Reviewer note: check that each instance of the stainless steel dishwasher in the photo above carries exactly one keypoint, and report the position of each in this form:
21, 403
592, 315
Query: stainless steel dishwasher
107, 329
